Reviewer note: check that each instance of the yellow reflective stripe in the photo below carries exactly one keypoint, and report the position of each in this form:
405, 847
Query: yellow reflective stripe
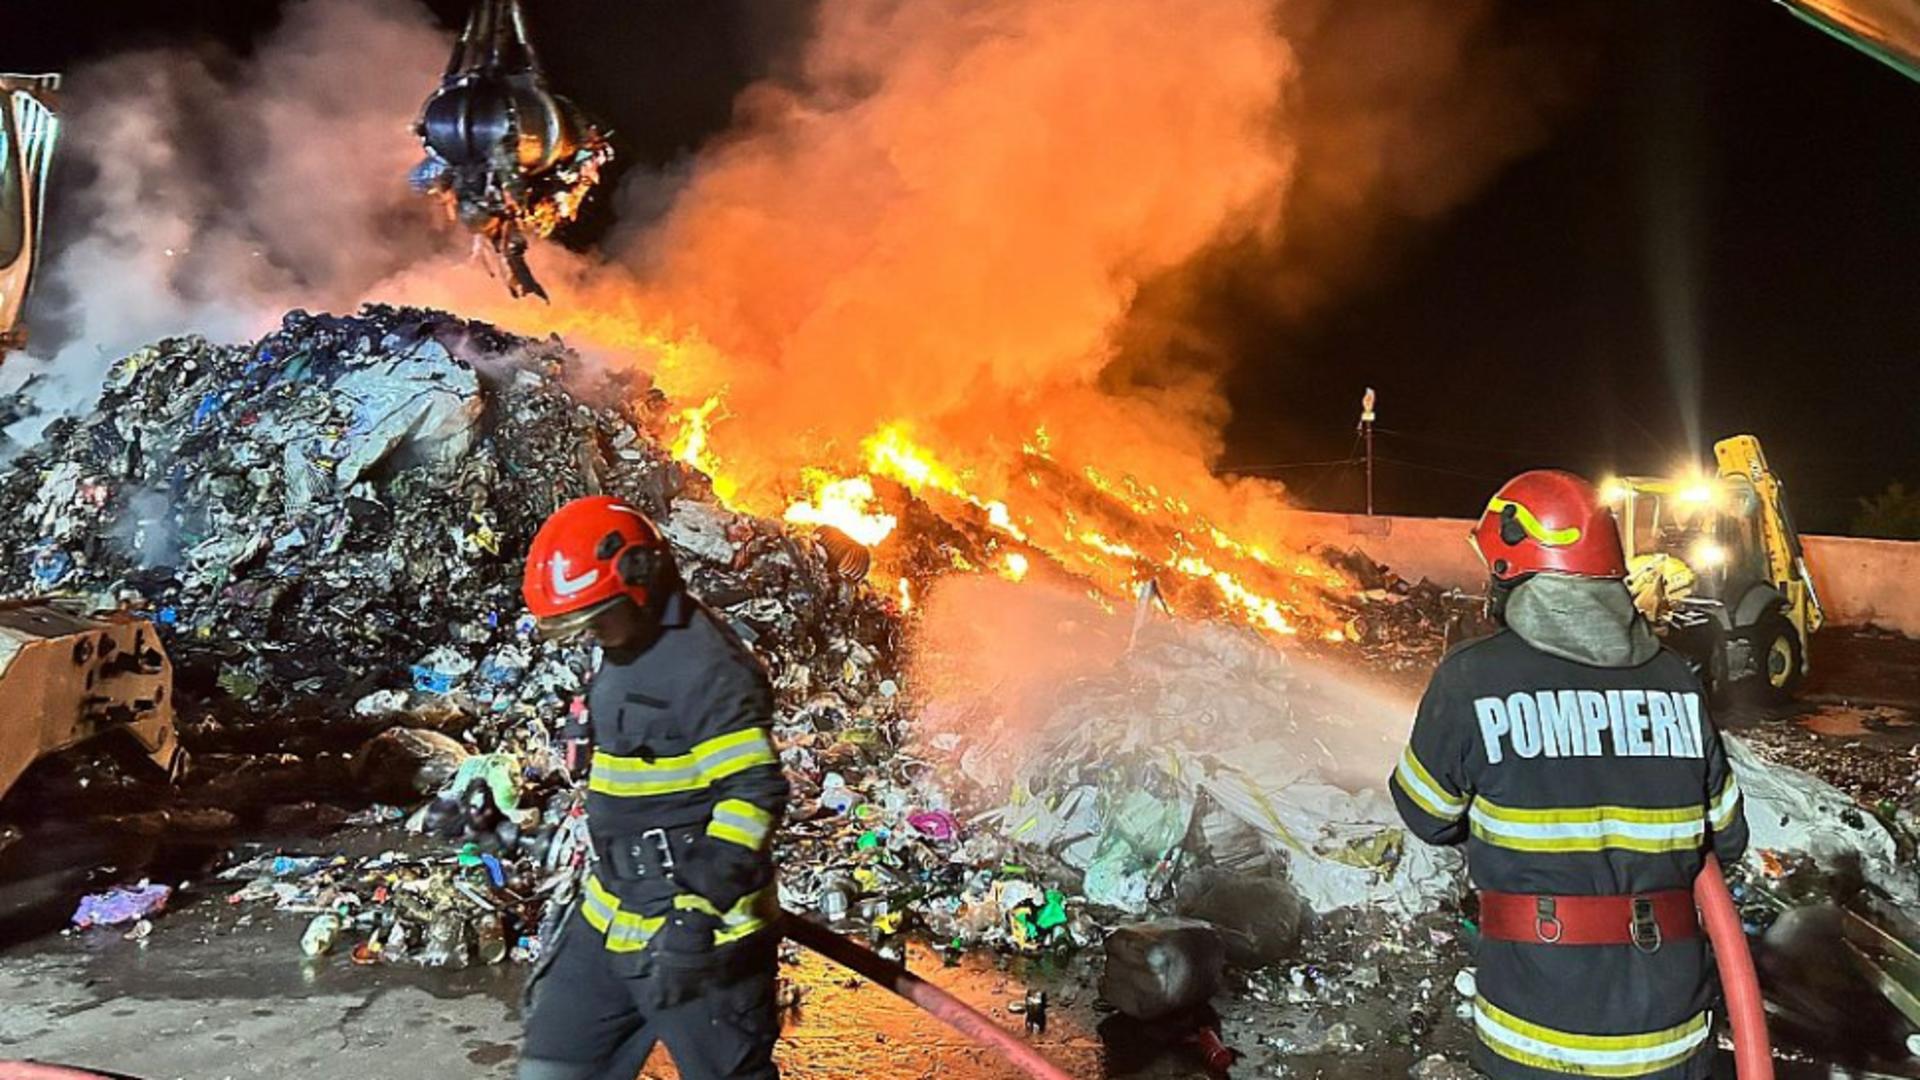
1589, 828
1726, 805
1424, 790
1534, 526
1554, 815
616, 775
740, 822
735, 752
625, 931
628, 931
1542, 1047
1565, 845
708, 762
751, 913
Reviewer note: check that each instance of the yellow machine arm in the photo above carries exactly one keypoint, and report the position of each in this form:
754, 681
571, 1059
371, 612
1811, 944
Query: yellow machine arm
1741, 456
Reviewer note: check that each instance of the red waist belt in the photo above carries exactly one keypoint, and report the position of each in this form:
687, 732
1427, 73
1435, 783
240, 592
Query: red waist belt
1642, 920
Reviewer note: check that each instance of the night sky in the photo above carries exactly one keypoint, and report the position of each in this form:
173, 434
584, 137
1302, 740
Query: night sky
1523, 329
1720, 163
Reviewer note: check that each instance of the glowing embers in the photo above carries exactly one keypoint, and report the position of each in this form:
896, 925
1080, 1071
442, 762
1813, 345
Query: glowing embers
847, 503
693, 445
892, 453
922, 517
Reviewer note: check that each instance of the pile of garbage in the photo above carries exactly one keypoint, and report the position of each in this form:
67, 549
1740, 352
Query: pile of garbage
328, 524
1401, 625
336, 514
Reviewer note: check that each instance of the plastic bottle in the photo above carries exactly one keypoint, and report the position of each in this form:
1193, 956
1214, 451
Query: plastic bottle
446, 944
490, 940
321, 933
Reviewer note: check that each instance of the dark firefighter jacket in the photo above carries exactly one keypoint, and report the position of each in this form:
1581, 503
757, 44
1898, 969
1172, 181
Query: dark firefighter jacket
1569, 778
682, 755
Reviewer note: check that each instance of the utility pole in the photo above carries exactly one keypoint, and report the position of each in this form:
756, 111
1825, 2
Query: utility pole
1366, 429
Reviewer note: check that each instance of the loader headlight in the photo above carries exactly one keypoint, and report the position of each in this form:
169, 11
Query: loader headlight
1707, 555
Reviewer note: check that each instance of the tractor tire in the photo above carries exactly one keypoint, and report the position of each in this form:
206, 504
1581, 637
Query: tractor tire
1780, 656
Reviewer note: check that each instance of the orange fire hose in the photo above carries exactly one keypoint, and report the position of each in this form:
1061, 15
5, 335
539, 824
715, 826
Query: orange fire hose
1752, 1053
939, 1004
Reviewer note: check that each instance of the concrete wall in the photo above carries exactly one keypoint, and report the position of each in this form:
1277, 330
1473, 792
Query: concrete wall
1416, 548
1867, 582
1861, 582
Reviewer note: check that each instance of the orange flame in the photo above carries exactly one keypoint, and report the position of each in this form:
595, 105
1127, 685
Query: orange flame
693, 445
846, 503
911, 295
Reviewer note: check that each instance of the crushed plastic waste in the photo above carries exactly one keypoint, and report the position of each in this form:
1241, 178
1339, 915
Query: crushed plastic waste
121, 905
1398, 624
1204, 742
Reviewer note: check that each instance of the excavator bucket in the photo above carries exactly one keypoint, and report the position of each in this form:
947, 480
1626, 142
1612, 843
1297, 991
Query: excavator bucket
29, 128
511, 159
66, 678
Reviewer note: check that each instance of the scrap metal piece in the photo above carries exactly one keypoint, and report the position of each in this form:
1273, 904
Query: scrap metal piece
1889, 962
1887, 30
67, 678
509, 157
29, 127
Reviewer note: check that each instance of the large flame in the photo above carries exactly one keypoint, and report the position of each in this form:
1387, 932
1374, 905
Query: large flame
890, 302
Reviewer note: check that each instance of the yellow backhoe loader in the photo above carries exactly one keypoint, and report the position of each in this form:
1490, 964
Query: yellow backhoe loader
1716, 564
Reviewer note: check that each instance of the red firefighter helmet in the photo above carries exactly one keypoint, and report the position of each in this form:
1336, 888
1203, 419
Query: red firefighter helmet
591, 554
1549, 522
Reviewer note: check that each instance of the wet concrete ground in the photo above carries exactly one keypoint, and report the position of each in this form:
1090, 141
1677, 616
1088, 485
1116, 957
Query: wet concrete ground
213, 993
221, 991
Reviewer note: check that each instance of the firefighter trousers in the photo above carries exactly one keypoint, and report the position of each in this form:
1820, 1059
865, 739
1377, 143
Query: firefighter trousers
596, 1015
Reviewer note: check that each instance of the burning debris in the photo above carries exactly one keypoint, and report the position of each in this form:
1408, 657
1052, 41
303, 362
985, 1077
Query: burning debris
512, 159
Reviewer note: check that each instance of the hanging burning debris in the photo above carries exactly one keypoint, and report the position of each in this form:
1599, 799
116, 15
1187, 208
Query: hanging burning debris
510, 158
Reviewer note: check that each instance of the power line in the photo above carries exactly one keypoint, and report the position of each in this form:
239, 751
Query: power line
1277, 466
1439, 469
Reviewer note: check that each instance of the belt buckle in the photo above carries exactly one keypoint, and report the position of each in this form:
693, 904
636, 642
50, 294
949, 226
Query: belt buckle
1645, 930
1546, 925
662, 845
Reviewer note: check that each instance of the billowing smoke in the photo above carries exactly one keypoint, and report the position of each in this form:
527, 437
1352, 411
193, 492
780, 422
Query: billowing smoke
1000, 673
204, 193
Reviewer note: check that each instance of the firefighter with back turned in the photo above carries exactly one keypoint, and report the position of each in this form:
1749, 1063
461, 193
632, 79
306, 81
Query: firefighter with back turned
673, 938
1575, 758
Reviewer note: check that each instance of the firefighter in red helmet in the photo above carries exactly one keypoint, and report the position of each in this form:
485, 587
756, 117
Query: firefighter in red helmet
672, 940
1574, 758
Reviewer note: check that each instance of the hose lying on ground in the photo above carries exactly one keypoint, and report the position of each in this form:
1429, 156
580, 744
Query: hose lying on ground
939, 1004
1752, 1053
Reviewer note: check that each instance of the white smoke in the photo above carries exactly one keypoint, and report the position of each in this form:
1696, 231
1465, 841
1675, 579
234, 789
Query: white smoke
199, 193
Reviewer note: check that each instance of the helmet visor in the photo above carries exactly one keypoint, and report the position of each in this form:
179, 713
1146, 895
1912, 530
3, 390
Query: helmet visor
573, 623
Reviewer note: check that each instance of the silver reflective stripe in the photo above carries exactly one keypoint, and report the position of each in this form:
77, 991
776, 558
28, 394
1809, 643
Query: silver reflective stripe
1724, 807
753, 828
1545, 1048
596, 908
715, 764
